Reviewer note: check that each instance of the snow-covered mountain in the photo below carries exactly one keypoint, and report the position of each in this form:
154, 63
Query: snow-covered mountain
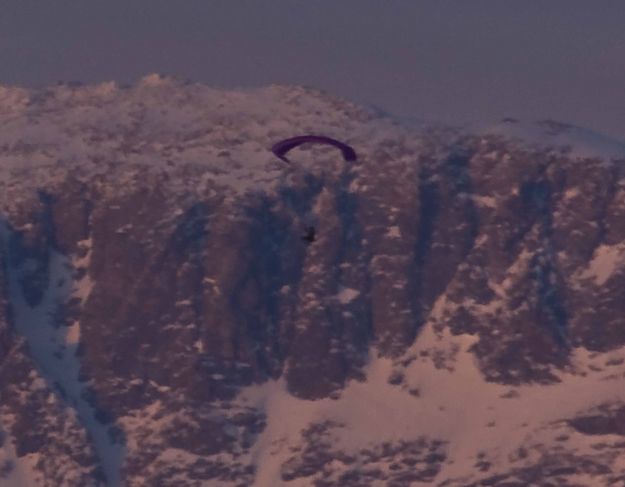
459, 321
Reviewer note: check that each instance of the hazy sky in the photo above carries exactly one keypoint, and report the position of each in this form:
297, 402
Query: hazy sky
444, 60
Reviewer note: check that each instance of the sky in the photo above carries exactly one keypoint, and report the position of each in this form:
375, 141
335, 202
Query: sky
452, 61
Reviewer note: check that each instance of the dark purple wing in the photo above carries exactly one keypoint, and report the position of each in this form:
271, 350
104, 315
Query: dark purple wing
281, 148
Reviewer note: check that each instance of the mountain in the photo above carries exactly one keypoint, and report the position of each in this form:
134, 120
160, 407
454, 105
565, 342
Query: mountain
459, 321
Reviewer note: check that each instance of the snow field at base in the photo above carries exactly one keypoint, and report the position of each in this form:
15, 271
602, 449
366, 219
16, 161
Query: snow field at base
479, 420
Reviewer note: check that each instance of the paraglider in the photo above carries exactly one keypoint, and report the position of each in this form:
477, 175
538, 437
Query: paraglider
281, 148
310, 235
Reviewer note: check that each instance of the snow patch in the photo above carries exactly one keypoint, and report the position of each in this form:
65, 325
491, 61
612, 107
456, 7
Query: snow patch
485, 201
607, 259
346, 295
394, 232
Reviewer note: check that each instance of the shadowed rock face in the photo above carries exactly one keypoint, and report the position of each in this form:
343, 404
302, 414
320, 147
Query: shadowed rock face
183, 298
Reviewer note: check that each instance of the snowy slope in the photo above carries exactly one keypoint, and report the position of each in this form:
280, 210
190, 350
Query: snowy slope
217, 137
477, 421
575, 141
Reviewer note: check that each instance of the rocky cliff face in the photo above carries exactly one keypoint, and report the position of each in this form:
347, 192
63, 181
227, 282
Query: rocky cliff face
459, 320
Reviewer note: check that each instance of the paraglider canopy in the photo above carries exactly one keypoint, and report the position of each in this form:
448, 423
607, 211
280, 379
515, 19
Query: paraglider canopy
281, 148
